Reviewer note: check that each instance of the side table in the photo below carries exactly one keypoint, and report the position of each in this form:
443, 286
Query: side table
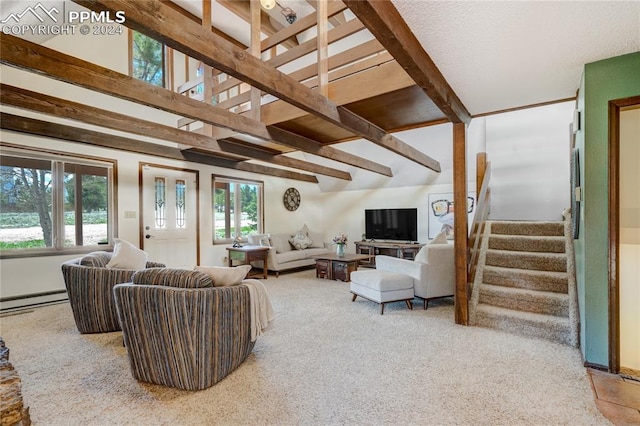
248, 254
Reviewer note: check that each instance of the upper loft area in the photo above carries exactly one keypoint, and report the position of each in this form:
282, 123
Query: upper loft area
271, 79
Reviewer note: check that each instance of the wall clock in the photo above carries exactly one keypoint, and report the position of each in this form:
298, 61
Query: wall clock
291, 199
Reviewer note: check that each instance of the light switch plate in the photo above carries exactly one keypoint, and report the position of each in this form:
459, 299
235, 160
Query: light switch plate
130, 214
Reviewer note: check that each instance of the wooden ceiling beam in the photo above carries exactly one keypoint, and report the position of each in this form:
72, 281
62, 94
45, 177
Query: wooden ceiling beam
299, 26
380, 79
237, 147
169, 27
198, 21
335, 20
386, 24
297, 52
23, 54
32, 101
269, 27
75, 134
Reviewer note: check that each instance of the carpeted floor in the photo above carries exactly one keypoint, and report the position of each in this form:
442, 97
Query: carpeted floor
325, 360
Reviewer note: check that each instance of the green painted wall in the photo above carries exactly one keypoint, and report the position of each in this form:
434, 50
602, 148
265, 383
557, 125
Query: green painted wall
605, 80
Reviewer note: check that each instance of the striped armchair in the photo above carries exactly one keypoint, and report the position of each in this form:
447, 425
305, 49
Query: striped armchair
89, 286
180, 330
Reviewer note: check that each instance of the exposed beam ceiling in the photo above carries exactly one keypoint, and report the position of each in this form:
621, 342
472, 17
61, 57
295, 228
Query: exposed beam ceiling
386, 24
336, 20
171, 28
77, 134
58, 107
269, 26
32, 57
198, 21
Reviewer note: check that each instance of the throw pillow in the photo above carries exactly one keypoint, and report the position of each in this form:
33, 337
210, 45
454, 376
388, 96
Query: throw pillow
300, 241
421, 256
441, 238
127, 256
224, 275
317, 239
280, 244
264, 241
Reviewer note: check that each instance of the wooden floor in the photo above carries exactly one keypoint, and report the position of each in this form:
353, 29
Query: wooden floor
617, 399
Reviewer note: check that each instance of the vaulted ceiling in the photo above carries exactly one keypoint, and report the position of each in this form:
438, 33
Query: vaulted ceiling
363, 73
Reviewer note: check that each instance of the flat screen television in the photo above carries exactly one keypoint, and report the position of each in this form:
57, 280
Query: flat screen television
391, 224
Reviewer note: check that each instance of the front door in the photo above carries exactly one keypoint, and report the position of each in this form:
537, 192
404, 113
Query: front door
170, 219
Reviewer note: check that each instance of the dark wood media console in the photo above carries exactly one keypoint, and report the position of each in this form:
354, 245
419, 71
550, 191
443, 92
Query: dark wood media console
373, 248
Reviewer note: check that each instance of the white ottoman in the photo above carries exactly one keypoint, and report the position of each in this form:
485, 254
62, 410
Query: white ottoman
382, 287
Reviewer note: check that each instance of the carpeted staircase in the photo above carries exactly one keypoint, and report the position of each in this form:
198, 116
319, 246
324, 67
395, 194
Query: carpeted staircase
523, 285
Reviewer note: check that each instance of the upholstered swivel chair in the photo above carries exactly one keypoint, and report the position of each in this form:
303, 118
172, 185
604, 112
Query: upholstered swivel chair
89, 286
182, 332
430, 276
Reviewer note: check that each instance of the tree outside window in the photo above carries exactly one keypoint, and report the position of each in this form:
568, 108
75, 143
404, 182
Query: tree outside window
237, 207
148, 59
50, 204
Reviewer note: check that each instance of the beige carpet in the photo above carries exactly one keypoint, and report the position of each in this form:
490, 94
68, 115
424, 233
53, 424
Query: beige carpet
325, 360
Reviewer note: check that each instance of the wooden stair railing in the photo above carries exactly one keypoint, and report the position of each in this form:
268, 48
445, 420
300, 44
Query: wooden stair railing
479, 219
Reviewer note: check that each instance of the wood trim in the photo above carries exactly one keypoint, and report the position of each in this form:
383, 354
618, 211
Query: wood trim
386, 24
141, 229
130, 52
164, 24
460, 223
540, 104
614, 227
614, 237
481, 169
30, 56
90, 137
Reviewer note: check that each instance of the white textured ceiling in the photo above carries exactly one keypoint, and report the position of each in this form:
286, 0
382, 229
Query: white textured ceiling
508, 54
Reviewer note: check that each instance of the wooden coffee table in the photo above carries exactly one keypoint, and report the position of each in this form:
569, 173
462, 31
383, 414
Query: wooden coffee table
334, 267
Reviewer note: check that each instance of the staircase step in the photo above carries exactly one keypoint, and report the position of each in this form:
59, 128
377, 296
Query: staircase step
541, 302
524, 323
557, 282
528, 228
526, 260
549, 244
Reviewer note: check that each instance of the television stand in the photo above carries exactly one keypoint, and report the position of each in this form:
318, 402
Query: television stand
386, 248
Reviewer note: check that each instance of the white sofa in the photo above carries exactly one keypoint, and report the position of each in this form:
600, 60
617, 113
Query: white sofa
283, 256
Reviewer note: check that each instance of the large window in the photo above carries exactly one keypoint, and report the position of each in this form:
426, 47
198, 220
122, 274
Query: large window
50, 203
238, 209
147, 59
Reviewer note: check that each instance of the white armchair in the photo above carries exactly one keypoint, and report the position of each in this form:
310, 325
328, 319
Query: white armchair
431, 279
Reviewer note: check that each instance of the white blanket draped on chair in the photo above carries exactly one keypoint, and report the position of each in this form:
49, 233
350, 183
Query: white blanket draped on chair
261, 310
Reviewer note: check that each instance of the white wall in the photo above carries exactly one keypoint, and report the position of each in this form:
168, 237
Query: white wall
529, 153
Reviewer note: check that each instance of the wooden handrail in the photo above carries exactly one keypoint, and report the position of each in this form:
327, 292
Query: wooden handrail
479, 221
